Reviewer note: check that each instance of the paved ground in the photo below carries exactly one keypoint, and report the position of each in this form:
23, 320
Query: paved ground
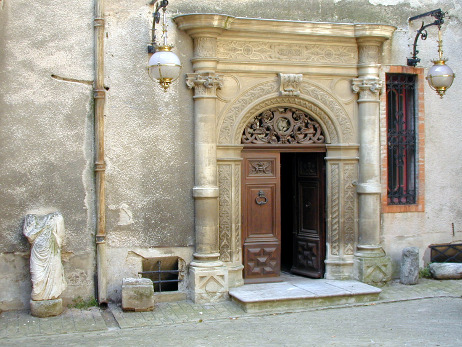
427, 314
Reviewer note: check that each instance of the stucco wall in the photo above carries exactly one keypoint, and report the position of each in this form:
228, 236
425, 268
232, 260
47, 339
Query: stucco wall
46, 137
46, 130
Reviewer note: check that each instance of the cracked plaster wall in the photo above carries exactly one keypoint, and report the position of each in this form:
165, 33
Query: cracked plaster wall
46, 130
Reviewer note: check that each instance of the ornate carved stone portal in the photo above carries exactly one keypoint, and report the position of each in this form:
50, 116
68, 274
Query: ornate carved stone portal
284, 83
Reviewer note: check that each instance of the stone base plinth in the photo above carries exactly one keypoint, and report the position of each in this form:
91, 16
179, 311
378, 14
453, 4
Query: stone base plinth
137, 294
373, 270
208, 284
339, 270
235, 275
46, 308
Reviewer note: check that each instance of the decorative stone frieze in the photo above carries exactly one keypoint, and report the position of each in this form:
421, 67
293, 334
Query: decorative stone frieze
238, 50
204, 84
290, 84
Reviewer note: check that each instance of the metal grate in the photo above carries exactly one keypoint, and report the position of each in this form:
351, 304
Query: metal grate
449, 253
164, 275
401, 139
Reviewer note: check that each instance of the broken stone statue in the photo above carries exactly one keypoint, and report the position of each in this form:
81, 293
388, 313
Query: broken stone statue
45, 234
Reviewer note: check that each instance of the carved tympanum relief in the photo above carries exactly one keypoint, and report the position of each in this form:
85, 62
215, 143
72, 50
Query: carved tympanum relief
283, 126
276, 51
313, 99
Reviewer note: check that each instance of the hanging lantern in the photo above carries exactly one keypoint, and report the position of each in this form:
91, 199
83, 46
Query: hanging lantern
164, 66
440, 76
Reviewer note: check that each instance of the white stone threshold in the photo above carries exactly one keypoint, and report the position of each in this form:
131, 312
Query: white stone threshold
299, 292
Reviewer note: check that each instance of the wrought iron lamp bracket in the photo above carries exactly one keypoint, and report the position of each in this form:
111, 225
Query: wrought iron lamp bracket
162, 5
422, 32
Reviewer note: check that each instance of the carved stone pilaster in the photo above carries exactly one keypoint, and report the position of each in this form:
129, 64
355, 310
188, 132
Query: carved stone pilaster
368, 88
342, 173
290, 84
205, 47
369, 54
204, 84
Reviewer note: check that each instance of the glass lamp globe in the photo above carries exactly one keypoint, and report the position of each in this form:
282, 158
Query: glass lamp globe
440, 77
164, 66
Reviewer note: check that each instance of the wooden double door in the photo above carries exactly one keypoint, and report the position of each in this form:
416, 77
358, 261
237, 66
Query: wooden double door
283, 212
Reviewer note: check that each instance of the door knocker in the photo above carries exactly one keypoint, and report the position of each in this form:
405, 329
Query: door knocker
261, 199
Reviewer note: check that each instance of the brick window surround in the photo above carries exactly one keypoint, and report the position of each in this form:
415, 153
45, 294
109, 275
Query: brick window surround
420, 157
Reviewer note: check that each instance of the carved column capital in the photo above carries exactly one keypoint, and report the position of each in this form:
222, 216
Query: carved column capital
369, 88
204, 84
290, 84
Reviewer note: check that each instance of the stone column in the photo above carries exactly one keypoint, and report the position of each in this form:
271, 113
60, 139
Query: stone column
371, 263
208, 276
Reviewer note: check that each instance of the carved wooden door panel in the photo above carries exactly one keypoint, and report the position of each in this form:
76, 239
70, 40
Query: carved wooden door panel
261, 227
309, 234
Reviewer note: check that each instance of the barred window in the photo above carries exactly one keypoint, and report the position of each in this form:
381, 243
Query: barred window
401, 139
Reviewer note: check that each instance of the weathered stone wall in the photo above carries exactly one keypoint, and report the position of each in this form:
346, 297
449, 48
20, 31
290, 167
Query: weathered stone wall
46, 131
46, 137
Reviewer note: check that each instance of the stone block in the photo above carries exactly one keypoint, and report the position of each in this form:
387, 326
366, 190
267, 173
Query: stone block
409, 266
46, 308
137, 294
446, 271
373, 270
208, 285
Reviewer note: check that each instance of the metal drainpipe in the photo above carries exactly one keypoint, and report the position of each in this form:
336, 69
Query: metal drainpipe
99, 94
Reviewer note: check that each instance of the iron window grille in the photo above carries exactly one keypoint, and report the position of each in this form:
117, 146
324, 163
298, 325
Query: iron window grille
401, 139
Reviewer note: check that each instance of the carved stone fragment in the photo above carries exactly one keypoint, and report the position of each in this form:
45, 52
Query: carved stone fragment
410, 266
46, 234
446, 271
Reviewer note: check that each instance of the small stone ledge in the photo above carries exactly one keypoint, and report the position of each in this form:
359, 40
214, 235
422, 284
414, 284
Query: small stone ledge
446, 271
137, 294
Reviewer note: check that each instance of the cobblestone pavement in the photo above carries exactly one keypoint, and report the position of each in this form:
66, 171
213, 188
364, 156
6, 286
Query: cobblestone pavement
427, 314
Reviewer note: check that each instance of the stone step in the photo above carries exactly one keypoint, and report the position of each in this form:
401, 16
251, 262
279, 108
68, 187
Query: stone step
300, 293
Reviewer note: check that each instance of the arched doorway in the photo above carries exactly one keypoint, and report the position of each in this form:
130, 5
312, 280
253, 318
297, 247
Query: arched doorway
283, 195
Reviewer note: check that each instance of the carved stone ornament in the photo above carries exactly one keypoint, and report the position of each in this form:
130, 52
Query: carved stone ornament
204, 84
241, 50
368, 87
290, 84
283, 126
45, 234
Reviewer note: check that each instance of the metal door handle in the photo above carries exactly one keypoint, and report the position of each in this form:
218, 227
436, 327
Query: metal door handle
261, 199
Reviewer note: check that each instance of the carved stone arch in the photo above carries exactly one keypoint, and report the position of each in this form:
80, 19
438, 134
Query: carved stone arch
337, 125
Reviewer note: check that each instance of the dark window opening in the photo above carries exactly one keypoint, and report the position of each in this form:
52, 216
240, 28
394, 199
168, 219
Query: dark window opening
163, 272
401, 139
